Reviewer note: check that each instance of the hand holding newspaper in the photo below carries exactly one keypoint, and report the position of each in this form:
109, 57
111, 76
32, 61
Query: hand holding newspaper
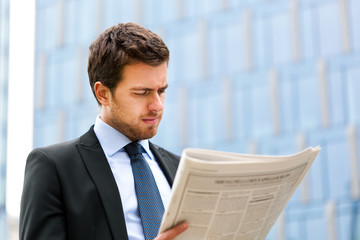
224, 195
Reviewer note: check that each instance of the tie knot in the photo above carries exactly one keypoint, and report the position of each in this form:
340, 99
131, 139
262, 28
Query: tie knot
134, 148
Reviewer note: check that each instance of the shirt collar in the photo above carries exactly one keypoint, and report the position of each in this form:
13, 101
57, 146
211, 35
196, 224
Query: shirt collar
112, 140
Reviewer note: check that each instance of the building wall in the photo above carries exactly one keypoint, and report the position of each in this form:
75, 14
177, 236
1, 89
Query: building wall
252, 76
4, 62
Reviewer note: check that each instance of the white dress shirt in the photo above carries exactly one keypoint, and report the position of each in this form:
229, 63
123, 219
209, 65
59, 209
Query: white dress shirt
113, 143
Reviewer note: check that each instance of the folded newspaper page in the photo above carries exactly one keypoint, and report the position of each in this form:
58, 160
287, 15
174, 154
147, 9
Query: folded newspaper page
224, 195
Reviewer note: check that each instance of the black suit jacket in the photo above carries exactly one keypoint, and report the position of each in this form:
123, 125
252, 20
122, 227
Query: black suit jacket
70, 192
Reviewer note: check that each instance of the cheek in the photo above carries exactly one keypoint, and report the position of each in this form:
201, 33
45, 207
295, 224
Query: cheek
135, 109
131, 108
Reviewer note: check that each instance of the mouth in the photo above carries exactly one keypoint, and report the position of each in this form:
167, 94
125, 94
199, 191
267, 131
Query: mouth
151, 120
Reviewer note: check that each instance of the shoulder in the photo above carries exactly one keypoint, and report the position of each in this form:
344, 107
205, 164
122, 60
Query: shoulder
68, 149
56, 161
46, 161
56, 150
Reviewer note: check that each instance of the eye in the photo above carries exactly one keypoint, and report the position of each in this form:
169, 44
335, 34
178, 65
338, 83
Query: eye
142, 93
161, 91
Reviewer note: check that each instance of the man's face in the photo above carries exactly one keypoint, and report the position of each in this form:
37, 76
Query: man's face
136, 105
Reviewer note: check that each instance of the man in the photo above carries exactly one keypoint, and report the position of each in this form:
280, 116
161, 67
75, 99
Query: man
87, 188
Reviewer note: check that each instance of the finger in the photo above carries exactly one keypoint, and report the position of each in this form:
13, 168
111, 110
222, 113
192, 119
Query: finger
173, 232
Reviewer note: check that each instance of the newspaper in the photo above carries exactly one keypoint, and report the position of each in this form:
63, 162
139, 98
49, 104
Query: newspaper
224, 195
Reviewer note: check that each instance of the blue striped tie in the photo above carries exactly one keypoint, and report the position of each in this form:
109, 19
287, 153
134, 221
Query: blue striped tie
150, 205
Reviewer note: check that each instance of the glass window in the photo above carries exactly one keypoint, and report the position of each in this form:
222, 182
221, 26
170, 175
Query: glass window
207, 114
112, 12
317, 177
316, 227
261, 110
353, 94
170, 130
307, 33
337, 98
80, 119
69, 80
53, 79
194, 124
149, 9
329, 29
217, 57
235, 46
176, 63
129, 11
239, 105
345, 222
170, 12
281, 39
192, 52
261, 42
354, 10
287, 105
47, 27
295, 226
45, 129
71, 22
308, 102
87, 20
208, 7
338, 167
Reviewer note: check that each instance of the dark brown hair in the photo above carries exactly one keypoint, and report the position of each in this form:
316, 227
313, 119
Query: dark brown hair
120, 45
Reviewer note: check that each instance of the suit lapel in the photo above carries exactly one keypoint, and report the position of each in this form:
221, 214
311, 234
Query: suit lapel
167, 163
99, 169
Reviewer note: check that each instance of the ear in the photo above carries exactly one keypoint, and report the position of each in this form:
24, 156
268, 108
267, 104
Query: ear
102, 93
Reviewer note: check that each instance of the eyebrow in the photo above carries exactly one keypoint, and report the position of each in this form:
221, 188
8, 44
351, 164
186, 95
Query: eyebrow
148, 89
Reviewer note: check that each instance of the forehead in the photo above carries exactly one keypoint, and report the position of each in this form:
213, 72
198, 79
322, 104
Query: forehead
141, 74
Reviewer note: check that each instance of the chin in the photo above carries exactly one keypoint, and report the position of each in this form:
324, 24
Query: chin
150, 135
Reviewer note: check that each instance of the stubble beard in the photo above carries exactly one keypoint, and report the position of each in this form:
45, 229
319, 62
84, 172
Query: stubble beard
135, 132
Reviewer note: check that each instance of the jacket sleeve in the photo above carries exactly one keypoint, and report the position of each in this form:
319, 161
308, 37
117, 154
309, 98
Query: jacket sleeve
42, 212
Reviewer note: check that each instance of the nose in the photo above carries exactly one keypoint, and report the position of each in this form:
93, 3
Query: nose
156, 103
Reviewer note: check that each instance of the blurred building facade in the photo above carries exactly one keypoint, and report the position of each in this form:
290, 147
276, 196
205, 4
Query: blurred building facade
4, 63
251, 76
